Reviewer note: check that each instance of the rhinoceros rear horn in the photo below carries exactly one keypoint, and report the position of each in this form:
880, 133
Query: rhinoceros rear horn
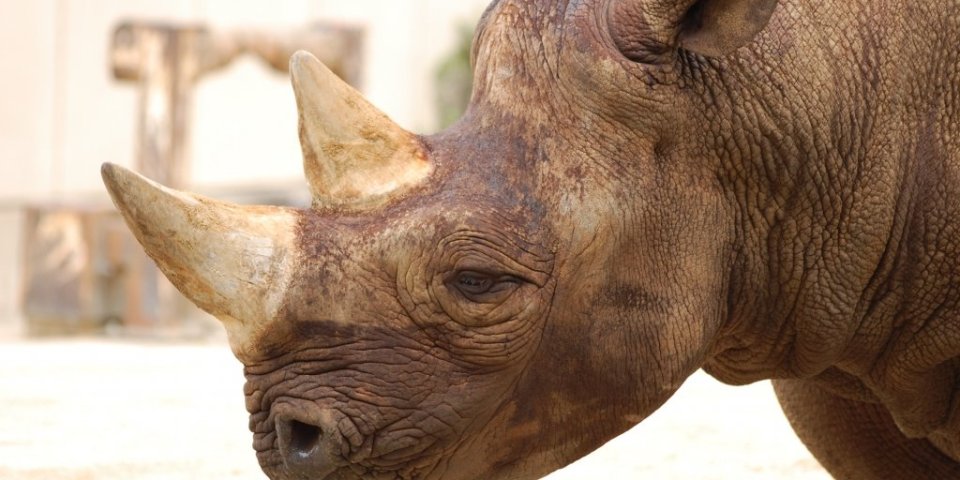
643, 29
354, 156
233, 261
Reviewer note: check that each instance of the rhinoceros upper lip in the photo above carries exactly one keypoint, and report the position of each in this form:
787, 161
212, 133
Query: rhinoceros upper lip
308, 438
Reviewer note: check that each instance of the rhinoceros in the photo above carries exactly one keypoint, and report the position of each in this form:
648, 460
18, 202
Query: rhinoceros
639, 189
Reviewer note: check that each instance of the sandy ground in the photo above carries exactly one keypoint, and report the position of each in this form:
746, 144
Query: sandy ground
105, 410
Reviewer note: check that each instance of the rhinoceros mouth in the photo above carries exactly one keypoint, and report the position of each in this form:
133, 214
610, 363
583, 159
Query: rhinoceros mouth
299, 439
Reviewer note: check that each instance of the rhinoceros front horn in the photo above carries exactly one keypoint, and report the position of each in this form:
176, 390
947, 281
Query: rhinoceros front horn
354, 156
232, 261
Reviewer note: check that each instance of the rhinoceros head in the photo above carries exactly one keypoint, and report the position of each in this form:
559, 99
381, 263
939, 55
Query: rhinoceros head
493, 301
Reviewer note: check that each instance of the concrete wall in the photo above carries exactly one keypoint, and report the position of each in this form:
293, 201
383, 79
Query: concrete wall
63, 113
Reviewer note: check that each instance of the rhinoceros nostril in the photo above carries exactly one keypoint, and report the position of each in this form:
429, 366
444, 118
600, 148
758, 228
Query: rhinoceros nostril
304, 438
307, 449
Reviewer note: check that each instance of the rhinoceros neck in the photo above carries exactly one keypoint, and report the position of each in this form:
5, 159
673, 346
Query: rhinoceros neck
849, 245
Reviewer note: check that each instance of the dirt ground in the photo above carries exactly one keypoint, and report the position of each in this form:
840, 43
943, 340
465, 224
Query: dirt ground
111, 410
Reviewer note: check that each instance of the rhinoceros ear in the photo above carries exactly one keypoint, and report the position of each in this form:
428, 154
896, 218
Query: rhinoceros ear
645, 29
354, 156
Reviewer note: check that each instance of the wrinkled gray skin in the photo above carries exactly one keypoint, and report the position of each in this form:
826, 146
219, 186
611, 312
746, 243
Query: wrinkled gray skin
614, 212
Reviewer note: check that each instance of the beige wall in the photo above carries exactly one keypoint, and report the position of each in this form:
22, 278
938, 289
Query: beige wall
62, 114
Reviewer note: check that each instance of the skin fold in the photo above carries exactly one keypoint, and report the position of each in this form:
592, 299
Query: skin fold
639, 189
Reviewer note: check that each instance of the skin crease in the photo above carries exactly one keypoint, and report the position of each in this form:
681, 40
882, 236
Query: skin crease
787, 210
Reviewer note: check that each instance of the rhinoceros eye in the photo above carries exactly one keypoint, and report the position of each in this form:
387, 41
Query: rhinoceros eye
473, 282
483, 287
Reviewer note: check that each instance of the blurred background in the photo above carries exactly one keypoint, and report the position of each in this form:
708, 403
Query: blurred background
105, 371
